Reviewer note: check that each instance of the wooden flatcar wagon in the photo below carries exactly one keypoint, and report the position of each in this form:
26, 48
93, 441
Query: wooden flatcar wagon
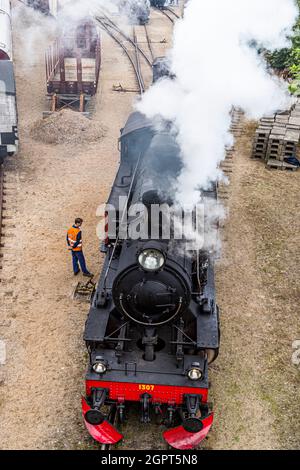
73, 66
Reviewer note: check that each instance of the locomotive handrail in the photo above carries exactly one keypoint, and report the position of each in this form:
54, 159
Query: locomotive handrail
150, 324
184, 334
52, 73
52, 54
122, 220
116, 331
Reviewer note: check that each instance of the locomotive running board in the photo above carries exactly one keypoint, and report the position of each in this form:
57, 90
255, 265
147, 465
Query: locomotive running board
179, 438
104, 433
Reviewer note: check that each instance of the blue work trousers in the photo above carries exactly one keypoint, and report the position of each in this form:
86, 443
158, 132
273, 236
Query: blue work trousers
78, 259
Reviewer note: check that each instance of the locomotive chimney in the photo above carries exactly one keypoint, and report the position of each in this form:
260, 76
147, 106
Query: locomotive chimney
149, 199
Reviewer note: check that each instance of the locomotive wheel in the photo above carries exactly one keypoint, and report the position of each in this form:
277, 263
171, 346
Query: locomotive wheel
159, 419
212, 355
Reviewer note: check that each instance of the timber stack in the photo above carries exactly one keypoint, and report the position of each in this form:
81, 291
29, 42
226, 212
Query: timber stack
277, 139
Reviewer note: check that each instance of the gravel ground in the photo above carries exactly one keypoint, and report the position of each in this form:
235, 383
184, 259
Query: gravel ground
255, 386
50, 185
66, 127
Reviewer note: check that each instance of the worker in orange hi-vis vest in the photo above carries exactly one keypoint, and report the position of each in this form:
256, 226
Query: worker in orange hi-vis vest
74, 241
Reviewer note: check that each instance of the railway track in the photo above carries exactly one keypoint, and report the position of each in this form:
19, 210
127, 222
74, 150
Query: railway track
9, 178
169, 13
134, 53
226, 165
2, 201
149, 43
138, 64
132, 419
173, 13
113, 25
113, 420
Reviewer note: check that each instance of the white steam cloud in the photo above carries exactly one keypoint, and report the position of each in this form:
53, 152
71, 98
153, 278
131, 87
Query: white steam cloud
75, 10
38, 30
217, 67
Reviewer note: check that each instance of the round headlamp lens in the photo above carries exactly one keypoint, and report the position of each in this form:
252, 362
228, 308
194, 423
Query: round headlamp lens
151, 259
194, 374
99, 367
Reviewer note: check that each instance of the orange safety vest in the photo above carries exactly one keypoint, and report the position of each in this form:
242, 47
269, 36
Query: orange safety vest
72, 238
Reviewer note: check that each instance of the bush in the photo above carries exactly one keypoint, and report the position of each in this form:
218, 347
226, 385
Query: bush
288, 60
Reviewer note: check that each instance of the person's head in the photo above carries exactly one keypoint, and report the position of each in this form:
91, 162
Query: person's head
78, 222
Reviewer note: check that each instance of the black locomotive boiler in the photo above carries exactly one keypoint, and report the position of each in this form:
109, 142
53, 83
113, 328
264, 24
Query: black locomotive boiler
153, 325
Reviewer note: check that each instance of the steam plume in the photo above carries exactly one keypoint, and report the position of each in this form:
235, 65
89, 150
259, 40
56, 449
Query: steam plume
217, 66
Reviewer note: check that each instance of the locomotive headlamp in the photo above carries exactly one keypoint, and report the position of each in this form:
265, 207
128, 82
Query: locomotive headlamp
151, 259
195, 373
100, 365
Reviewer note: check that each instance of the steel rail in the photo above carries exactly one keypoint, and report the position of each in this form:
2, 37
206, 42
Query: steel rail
107, 28
149, 43
138, 63
113, 421
173, 12
1, 202
163, 12
125, 36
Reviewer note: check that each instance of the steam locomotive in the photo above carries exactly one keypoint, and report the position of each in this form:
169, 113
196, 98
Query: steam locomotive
8, 106
153, 325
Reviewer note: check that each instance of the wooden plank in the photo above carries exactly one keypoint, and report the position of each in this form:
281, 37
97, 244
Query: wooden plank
295, 120
281, 165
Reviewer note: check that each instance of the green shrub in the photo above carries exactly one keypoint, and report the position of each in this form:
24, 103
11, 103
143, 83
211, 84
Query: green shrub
288, 60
